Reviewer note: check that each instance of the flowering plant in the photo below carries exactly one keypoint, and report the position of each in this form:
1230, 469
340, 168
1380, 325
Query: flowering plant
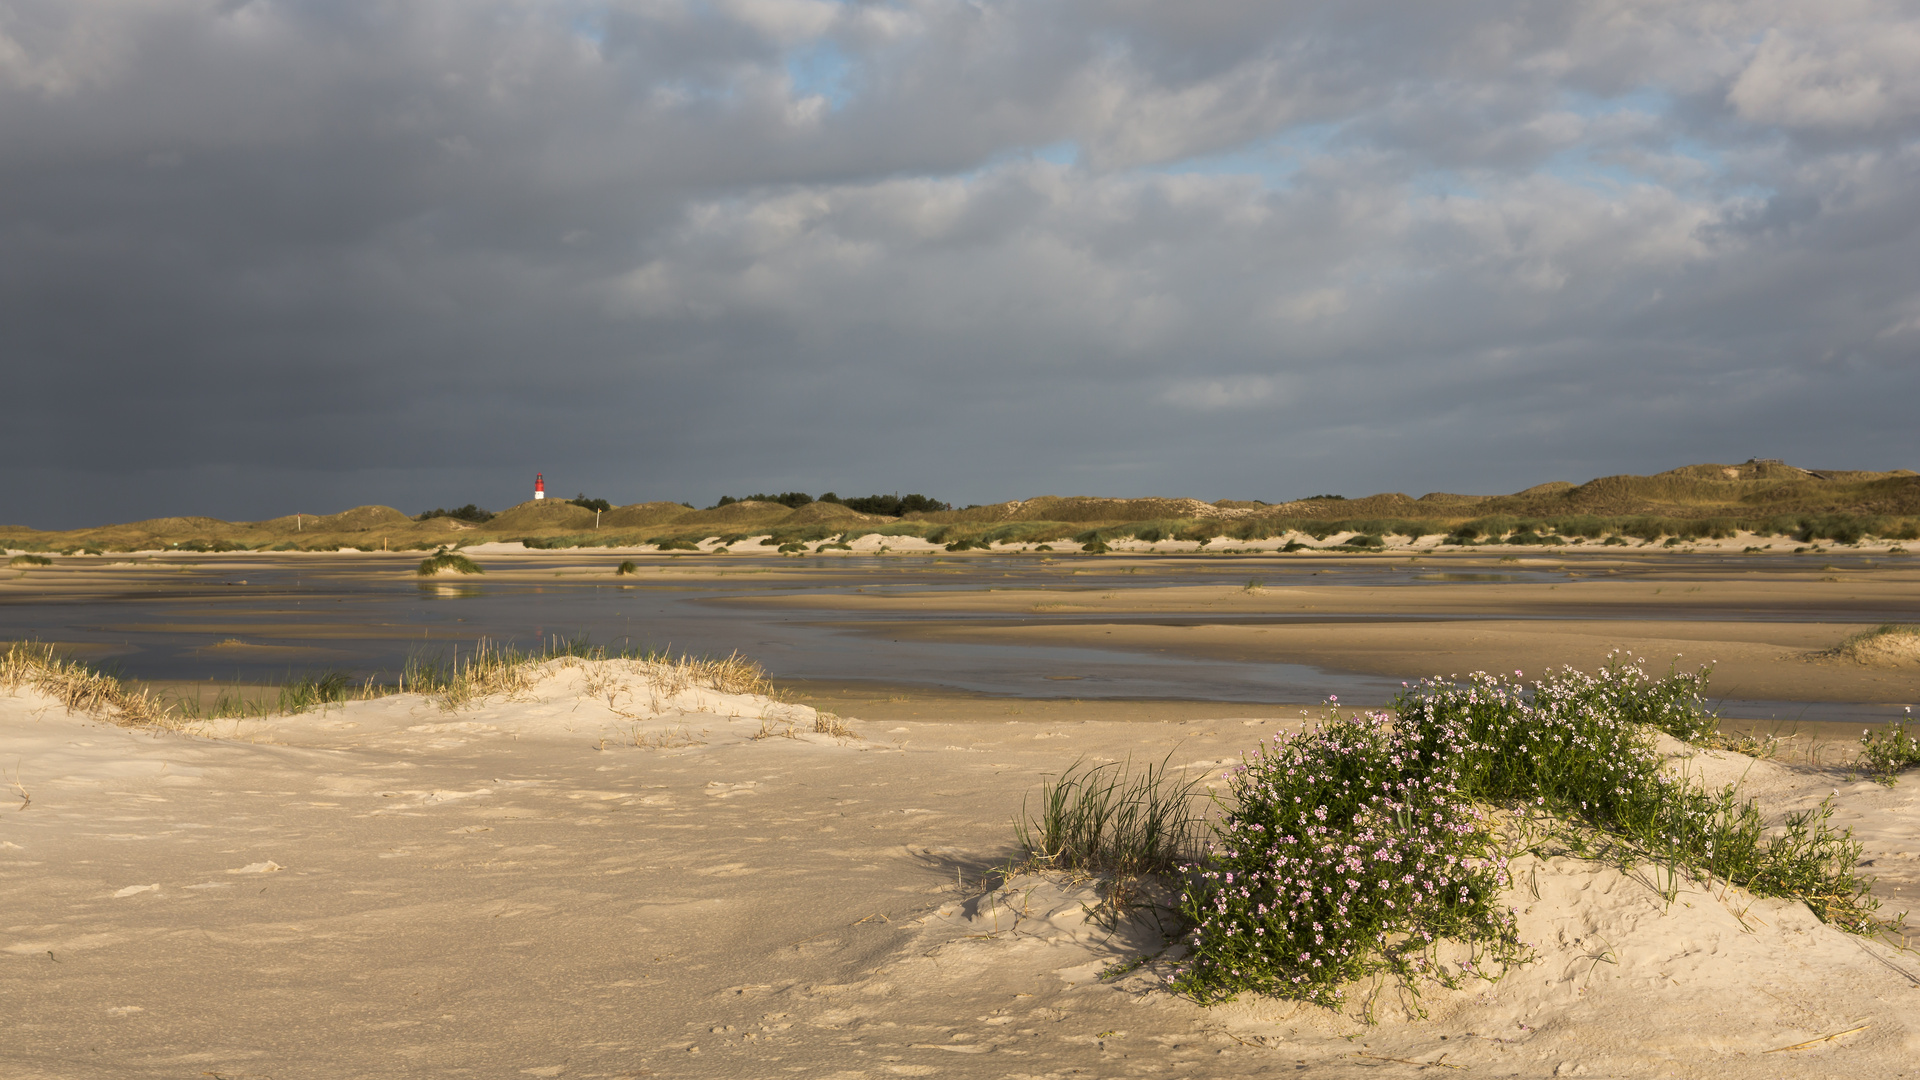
1350, 849
1345, 854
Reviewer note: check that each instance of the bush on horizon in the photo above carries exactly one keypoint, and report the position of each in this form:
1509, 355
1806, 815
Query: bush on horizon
895, 505
792, 500
469, 512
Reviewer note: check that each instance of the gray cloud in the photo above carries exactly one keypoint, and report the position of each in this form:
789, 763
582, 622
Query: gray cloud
266, 256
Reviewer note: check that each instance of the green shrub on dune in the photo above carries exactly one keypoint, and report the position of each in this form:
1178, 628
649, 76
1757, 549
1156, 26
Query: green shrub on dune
1348, 851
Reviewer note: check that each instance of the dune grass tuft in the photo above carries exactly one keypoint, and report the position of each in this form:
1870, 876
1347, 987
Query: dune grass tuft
80, 688
826, 723
492, 669
445, 559
1887, 645
315, 690
1111, 819
29, 560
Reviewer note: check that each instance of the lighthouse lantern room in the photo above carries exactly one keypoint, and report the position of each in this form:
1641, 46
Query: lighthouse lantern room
539, 485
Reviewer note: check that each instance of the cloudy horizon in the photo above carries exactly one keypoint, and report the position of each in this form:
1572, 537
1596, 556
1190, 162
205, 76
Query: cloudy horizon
259, 257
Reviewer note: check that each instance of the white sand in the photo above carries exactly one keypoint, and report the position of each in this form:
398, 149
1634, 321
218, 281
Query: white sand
390, 889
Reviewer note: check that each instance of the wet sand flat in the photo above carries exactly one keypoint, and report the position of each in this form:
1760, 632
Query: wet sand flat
1750, 660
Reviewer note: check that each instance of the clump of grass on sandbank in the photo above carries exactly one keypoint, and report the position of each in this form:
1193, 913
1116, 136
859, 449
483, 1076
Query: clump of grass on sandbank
1109, 819
1887, 645
29, 560
491, 668
445, 559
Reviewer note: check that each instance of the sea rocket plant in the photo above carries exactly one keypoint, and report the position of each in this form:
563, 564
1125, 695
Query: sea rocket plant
1346, 854
1349, 849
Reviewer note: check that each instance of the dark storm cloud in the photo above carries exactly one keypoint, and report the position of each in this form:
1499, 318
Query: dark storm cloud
258, 257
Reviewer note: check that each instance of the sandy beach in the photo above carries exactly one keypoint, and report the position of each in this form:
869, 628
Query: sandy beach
608, 875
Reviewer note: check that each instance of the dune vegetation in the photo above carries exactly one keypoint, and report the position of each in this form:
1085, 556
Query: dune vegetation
452, 679
1689, 504
1378, 845
447, 562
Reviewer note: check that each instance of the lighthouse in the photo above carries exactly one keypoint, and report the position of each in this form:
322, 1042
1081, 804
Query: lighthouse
539, 485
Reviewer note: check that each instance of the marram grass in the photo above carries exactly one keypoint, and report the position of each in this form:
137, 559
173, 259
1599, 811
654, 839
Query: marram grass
36, 666
456, 681
1109, 818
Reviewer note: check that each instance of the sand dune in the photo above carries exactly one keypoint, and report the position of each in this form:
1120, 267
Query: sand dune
611, 874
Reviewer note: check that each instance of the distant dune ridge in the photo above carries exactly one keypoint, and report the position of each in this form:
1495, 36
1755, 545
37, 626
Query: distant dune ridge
1760, 496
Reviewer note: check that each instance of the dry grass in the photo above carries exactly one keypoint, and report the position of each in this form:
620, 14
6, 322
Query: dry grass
81, 689
826, 723
493, 670
775, 727
673, 739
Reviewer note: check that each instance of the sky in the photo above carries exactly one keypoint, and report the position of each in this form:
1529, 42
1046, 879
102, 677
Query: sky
275, 256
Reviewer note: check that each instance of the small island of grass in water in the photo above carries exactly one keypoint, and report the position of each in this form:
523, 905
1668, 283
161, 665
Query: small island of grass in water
445, 560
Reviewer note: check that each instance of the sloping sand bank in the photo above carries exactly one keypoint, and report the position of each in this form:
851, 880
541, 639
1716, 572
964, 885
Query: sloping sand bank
609, 878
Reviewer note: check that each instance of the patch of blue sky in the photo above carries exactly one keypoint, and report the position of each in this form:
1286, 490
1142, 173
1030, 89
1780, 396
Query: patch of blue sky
821, 68
1274, 159
589, 22
1681, 164
1444, 184
1065, 154
1651, 100
590, 29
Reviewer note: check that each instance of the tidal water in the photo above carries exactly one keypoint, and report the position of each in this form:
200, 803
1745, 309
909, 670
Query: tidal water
366, 615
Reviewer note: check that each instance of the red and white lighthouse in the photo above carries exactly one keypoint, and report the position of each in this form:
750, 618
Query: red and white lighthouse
539, 485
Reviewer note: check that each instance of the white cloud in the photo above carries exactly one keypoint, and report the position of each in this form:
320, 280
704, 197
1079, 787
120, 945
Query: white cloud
1241, 392
1859, 78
